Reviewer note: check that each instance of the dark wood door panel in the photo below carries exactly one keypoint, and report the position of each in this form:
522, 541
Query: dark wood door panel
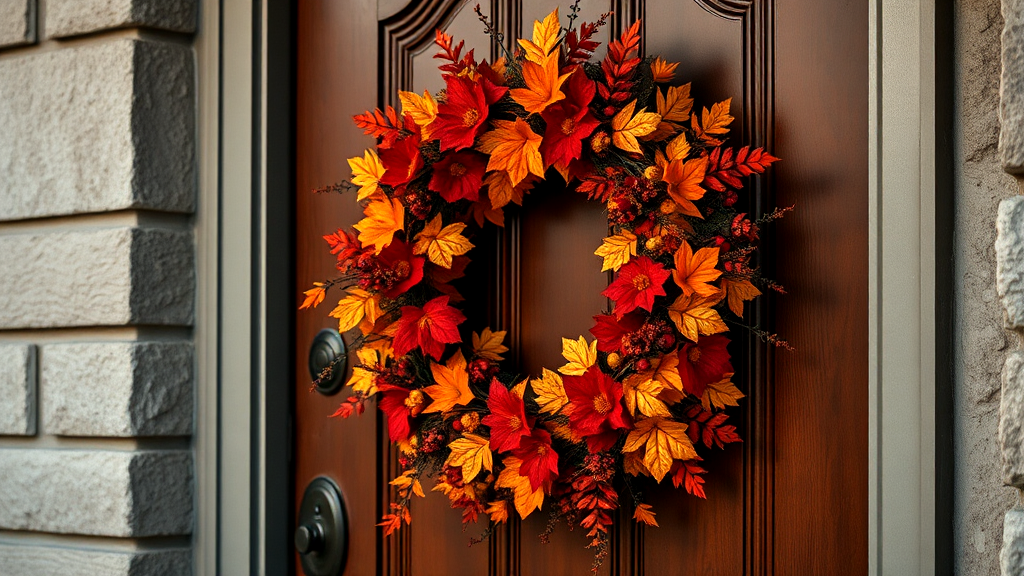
791, 499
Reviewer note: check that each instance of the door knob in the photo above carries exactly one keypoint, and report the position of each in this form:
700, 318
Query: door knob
321, 538
328, 347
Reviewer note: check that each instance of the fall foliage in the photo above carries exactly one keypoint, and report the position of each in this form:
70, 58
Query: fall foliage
646, 398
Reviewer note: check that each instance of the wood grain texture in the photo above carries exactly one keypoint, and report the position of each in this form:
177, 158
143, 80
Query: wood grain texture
792, 499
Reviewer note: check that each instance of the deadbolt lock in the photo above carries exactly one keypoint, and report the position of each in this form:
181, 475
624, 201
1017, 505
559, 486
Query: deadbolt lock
328, 349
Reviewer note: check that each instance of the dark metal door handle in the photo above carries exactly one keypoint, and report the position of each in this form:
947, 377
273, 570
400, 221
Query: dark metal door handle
321, 538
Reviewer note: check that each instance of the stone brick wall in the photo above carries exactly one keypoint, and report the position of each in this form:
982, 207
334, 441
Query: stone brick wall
1009, 249
97, 286
980, 344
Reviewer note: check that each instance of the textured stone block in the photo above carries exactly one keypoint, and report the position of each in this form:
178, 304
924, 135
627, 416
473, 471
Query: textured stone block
25, 560
1011, 88
105, 493
71, 17
1011, 558
17, 22
99, 127
17, 389
1011, 420
1010, 260
117, 389
104, 277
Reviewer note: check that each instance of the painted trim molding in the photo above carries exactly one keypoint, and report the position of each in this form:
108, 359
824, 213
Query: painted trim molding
241, 181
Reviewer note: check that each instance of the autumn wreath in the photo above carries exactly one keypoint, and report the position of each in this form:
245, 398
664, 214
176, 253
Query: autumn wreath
651, 389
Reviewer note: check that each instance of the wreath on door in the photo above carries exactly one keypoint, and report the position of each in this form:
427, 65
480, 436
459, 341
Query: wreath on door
643, 398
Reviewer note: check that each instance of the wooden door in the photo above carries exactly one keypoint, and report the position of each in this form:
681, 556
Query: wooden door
792, 499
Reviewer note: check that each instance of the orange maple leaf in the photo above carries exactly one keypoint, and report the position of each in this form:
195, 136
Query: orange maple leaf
694, 272
500, 190
452, 385
663, 71
684, 179
542, 86
314, 296
717, 120
384, 217
514, 148
644, 514
545, 39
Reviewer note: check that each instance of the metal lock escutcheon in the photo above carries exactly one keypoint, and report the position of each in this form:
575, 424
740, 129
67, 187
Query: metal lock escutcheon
328, 349
321, 538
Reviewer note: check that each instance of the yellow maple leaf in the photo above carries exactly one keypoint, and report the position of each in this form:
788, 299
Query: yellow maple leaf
664, 440
422, 110
489, 344
666, 371
514, 148
545, 38
384, 217
407, 481
542, 86
663, 71
684, 179
451, 388
520, 388
366, 173
737, 292
674, 106
633, 464
694, 316
314, 296
721, 394
472, 453
695, 272
641, 394
351, 309
501, 191
644, 514
717, 120
616, 250
678, 148
627, 127
442, 244
526, 498
363, 375
550, 391
579, 355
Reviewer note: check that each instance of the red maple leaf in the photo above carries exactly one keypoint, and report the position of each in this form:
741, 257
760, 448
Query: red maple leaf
346, 246
686, 473
708, 428
430, 328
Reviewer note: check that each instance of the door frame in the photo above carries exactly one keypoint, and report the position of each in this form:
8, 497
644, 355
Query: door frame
245, 52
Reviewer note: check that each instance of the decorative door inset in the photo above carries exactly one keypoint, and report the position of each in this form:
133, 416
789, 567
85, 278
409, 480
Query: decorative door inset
792, 499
